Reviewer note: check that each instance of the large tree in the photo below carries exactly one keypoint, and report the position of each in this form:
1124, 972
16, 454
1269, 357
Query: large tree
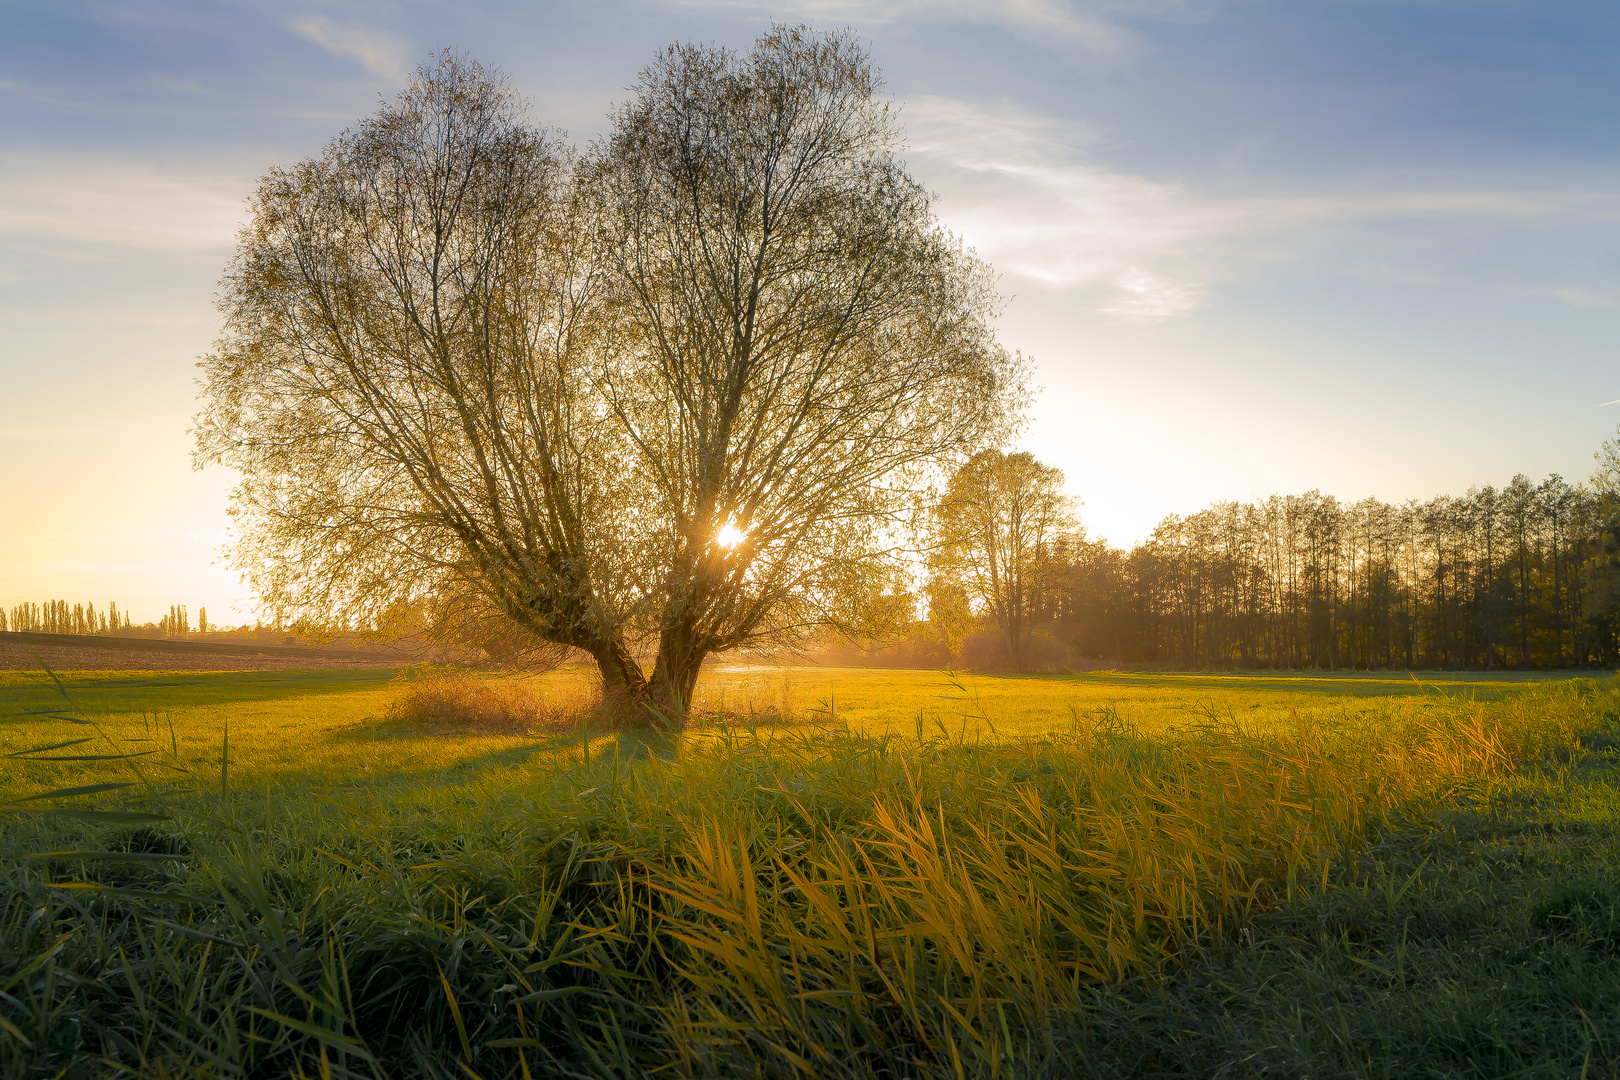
676, 396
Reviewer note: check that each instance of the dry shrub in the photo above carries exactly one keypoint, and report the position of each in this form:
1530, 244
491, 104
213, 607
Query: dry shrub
451, 699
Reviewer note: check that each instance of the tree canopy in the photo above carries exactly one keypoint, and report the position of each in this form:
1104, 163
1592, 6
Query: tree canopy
1525, 575
675, 394
1004, 526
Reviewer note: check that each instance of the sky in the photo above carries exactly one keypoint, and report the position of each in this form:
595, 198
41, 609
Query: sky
1251, 246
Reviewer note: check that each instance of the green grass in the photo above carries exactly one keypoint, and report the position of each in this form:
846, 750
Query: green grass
325, 727
878, 701
310, 728
1482, 941
859, 873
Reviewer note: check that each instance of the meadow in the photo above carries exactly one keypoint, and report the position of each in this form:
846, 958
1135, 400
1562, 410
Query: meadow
835, 872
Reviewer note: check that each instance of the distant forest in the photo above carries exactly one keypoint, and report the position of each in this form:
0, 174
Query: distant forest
1525, 576
59, 617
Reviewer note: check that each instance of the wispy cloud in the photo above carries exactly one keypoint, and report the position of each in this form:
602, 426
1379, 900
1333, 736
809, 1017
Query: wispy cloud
1588, 299
1069, 22
109, 201
379, 52
1024, 191
1019, 189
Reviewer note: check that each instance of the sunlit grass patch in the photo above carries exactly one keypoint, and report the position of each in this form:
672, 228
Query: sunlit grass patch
455, 701
787, 893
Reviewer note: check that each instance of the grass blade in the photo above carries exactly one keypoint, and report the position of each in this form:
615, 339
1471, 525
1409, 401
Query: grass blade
69, 792
110, 856
330, 1038
136, 894
108, 817
47, 669
10, 1029
90, 757
53, 746
455, 1012
188, 931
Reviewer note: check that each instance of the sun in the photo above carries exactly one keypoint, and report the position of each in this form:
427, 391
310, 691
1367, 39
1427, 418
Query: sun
729, 535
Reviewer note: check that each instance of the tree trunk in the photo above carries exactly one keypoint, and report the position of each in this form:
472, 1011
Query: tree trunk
623, 684
668, 697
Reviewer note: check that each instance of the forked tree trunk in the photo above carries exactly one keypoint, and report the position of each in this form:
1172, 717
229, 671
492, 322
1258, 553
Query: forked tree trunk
674, 678
662, 702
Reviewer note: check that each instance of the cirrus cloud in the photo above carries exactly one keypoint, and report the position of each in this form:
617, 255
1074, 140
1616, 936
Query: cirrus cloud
382, 54
1067, 22
1025, 192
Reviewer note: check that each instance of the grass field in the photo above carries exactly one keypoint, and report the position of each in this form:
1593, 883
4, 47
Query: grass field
836, 872
322, 727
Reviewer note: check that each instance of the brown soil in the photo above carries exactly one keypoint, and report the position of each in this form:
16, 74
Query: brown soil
89, 658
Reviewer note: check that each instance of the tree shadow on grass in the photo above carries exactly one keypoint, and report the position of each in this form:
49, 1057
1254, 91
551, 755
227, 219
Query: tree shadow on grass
593, 747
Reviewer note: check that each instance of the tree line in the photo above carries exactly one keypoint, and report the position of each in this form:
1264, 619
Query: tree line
57, 617
1527, 575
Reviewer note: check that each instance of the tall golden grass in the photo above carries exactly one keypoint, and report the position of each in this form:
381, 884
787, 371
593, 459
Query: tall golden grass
980, 890
797, 900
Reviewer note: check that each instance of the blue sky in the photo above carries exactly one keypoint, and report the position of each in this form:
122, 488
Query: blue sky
1252, 246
